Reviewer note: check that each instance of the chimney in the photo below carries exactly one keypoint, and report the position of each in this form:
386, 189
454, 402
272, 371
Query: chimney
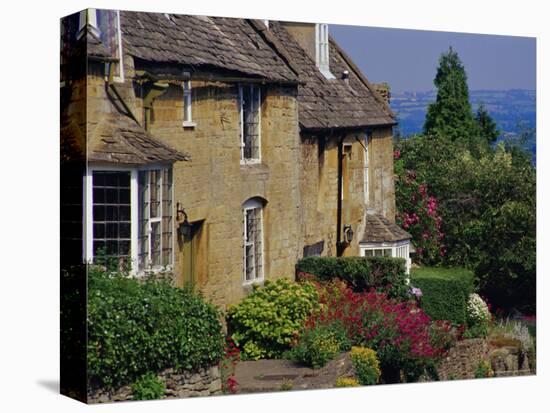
383, 90
303, 34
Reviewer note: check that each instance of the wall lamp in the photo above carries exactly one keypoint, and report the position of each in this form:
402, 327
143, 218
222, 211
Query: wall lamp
184, 228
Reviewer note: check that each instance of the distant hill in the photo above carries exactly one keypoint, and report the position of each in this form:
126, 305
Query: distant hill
513, 110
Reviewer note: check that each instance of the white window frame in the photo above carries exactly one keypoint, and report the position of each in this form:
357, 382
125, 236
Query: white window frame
399, 249
88, 219
322, 58
187, 105
247, 161
250, 205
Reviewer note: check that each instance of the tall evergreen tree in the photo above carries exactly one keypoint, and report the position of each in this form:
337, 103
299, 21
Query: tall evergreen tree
487, 126
450, 116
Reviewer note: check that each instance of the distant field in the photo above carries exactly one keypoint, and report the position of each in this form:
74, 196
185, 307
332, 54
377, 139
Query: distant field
513, 110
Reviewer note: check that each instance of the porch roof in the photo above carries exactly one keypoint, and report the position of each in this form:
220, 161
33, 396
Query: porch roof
118, 139
379, 229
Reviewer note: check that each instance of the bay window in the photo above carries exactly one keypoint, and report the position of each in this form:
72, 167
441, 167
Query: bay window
398, 249
128, 217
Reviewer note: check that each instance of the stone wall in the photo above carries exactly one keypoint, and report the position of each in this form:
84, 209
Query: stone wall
204, 382
213, 186
463, 359
509, 361
319, 185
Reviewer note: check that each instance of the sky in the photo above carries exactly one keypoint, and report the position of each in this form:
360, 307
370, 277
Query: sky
407, 59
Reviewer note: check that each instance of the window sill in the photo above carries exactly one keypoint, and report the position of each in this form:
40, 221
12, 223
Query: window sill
250, 162
188, 124
252, 283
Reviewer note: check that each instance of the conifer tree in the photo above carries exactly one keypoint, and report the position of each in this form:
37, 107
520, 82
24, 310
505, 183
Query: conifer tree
451, 116
487, 126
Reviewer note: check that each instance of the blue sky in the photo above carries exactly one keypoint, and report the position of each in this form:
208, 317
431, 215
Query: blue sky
407, 59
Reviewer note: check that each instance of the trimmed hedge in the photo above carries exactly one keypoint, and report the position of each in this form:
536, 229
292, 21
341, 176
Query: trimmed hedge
360, 273
445, 292
137, 327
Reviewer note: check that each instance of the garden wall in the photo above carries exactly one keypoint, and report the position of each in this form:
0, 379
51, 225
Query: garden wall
463, 359
204, 382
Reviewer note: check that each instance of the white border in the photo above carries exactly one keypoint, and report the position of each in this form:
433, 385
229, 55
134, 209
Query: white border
29, 301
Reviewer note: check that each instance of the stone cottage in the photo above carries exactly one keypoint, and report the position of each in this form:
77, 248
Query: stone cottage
221, 149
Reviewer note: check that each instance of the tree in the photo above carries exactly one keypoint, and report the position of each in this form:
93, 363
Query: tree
487, 126
451, 115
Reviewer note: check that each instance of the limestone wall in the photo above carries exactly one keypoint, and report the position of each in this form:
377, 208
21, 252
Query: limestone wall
463, 359
319, 185
213, 186
381, 175
204, 382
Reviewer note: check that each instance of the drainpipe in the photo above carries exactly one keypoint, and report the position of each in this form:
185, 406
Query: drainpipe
339, 245
111, 86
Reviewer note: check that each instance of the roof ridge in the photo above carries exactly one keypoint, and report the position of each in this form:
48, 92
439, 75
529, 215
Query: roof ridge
358, 72
274, 43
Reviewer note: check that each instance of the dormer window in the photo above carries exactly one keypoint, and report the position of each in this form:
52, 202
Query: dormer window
105, 25
321, 49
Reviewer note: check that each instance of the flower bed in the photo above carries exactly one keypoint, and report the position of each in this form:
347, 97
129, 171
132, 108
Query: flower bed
399, 332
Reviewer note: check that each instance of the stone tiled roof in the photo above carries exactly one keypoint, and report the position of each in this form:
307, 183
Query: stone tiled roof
234, 45
379, 229
94, 46
333, 103
118, 139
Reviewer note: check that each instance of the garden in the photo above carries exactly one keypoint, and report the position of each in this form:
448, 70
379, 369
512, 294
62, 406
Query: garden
342, 322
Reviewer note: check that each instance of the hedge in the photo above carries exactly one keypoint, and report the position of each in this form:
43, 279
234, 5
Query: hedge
136, 327
360, 273
445, 292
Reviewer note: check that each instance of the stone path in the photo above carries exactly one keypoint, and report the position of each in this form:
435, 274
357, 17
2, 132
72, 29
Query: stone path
274, 375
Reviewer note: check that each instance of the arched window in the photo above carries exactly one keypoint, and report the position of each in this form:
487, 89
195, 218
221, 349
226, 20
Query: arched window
253, 259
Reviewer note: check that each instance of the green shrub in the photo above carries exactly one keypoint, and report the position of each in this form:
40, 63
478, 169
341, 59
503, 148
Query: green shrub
140, 326
320, 344
148, 387
361, 273
445, 292
366, 365
346, 382
483, 370
264, 323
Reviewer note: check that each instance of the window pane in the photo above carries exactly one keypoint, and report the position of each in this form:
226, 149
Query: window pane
154, 188
111, 215
155, 244
249, 262
251, 119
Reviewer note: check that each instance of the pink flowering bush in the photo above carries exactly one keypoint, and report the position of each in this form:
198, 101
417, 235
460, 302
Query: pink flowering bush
400, 332
418, 214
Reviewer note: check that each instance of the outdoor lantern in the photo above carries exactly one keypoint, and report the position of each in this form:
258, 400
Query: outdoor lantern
184, 228
348, 234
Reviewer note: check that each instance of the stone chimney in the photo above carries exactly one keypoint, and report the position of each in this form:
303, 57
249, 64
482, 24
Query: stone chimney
304, 34
383, 90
